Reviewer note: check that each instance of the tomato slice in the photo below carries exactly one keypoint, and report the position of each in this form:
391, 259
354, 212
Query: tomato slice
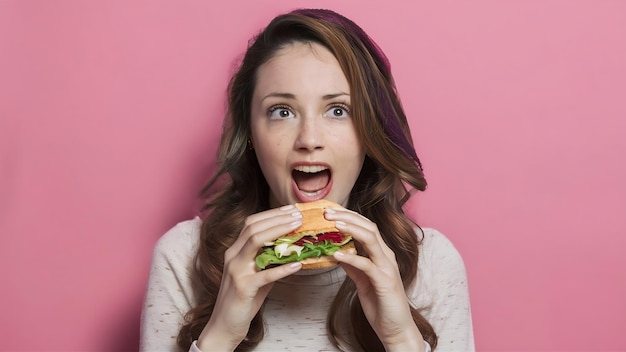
304, 240
332, 237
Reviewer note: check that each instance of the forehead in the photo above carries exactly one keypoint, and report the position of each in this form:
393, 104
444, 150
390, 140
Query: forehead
301, 67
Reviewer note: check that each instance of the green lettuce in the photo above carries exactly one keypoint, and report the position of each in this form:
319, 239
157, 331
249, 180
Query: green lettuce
269, 257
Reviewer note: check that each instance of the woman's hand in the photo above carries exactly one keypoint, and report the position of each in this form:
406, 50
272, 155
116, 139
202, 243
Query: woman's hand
244, 287
378, 282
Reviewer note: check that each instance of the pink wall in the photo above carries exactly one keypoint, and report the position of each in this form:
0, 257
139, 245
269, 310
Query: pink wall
109, 112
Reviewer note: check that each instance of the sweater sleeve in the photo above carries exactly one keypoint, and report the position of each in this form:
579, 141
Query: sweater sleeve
169, 294
441, 292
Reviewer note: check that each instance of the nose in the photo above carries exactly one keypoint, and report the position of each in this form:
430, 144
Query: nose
310, 134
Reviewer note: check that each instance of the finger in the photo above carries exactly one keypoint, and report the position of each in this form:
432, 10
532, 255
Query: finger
267, 219
356, 275
349, 216
373, 228
271, 275
362, 270
364, 231
264, 221
357, 265
257, 240
254, 218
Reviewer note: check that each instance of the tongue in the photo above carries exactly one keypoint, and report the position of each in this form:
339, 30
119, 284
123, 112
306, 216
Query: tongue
308, 182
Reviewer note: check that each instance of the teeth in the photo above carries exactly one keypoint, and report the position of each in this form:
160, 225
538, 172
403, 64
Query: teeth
311, 169
312, 194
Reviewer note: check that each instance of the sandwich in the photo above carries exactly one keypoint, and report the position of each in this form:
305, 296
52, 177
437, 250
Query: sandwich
312, 244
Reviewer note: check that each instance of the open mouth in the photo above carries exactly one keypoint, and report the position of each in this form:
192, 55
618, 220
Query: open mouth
311, 181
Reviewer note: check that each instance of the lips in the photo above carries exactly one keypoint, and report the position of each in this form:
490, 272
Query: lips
311, 182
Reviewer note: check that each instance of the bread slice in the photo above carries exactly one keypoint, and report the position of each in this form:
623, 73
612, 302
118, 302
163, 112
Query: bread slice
313, 221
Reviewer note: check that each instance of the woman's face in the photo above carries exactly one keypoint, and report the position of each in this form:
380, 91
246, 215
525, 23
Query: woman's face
302, 131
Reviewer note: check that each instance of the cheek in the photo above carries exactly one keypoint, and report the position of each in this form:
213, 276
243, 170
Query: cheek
267, 137
274, 145
350, 143
269, 151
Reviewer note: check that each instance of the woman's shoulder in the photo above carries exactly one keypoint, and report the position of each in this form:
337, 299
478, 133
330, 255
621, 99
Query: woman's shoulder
438, 256
436, 247
440, 264
181, 240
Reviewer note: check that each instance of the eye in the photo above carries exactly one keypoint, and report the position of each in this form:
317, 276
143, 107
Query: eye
338, 111
280, 112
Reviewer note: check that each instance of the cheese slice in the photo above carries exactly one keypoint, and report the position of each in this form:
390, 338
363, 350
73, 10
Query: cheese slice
285, 249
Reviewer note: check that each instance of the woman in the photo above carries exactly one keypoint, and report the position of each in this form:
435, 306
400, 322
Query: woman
313, 114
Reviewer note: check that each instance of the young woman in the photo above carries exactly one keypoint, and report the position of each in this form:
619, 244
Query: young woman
313, 114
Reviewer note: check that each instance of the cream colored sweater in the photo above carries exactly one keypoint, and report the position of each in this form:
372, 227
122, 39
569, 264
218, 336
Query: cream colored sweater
296, 308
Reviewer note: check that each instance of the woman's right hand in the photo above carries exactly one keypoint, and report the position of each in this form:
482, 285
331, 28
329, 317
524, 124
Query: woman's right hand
244, 286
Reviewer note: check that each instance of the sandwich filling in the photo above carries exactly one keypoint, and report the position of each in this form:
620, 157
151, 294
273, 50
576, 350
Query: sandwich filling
296, 247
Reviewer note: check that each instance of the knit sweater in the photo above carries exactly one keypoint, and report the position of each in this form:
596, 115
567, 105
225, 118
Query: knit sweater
296, 308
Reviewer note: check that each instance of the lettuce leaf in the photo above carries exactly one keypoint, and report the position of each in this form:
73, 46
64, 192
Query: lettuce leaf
268, 256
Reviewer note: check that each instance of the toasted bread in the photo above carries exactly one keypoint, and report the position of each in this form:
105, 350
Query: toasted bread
313, 220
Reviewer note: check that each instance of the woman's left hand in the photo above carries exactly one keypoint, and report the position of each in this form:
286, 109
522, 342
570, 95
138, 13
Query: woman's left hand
378, 282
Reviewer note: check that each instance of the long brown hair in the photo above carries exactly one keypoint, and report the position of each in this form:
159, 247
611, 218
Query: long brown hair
391, 168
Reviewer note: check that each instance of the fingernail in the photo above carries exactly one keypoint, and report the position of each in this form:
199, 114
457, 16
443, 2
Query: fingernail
339, 254
295, 265
340, 224
286, 207
330, 211
296, 223
297, 214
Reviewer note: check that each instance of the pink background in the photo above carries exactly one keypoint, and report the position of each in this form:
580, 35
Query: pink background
109, 113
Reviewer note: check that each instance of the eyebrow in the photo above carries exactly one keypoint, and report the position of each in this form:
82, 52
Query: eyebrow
293, 97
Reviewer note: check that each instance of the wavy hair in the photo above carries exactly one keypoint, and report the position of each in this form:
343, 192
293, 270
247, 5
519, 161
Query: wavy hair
390, 173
